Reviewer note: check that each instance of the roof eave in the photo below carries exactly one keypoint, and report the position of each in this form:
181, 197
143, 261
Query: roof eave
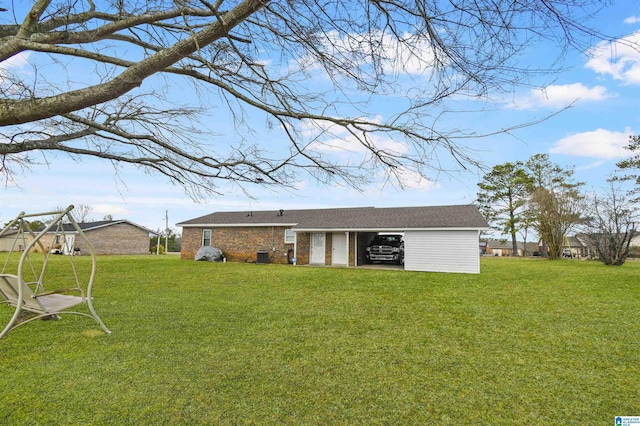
231, 225
391, 229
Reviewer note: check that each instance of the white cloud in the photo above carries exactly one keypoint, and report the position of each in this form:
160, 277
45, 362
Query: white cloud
332, 138
102, 210
619, 59
559, 96
599, 143
300, 185
15, 62
13, 65
632, 20
590, 166
416, 60
338, 142
410, 179
412, 55
350, 144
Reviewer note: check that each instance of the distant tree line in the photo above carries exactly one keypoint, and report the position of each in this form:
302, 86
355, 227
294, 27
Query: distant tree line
538, 196
169, 242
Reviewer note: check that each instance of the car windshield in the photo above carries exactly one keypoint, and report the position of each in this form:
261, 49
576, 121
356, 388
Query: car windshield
387, 238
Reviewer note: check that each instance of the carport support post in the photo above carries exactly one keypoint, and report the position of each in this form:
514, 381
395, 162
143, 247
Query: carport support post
355, 250
347, 238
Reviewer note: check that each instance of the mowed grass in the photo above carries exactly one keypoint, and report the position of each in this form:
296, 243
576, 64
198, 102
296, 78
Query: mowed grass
526, 342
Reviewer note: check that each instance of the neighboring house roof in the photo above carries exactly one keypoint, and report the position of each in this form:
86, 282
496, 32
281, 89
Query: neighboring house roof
500, 244
393, 218
90, 226
530, 247
574, 241
585, 239
507, 245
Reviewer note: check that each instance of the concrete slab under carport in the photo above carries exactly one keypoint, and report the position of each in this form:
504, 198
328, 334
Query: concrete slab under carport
382, 266
376, 266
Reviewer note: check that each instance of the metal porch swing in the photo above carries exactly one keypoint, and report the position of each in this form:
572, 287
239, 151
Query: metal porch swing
27, 289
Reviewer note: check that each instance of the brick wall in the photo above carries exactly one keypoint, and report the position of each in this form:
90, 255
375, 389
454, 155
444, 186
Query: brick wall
303, 240
240, 244
114, 239
191, 242
122, 238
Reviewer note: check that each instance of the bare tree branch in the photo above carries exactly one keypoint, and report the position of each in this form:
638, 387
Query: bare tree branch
312, 69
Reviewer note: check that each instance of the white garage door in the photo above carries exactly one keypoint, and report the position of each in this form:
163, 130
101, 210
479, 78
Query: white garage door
442, 251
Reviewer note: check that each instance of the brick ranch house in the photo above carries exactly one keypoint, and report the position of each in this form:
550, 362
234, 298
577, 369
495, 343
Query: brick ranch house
108, 237
436, 238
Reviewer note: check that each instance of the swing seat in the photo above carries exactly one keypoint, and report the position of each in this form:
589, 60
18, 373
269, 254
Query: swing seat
43, 304
33, 296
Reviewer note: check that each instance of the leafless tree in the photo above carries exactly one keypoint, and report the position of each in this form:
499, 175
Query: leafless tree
81, 213
97, 81
612, 225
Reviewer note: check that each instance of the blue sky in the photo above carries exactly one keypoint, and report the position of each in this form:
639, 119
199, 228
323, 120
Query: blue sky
603, 90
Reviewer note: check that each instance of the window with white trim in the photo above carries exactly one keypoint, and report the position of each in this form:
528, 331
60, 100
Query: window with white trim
206, 237
289, 236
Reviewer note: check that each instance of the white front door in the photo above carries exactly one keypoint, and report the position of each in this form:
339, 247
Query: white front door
67, 246
339, 254
317, 248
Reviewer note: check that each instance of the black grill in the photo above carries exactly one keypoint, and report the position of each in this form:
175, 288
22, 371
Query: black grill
381, 249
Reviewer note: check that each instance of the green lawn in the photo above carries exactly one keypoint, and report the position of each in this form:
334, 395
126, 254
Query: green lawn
526, 342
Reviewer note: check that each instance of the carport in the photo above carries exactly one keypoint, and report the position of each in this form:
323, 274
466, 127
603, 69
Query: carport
435, 250
436, 238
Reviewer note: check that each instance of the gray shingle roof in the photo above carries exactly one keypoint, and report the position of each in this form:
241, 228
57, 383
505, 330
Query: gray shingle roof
89, 226
507, 244
457, 216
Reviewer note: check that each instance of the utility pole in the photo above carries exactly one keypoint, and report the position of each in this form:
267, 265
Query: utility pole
166, 230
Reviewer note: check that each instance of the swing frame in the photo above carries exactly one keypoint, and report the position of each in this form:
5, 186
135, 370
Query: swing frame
31, 296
